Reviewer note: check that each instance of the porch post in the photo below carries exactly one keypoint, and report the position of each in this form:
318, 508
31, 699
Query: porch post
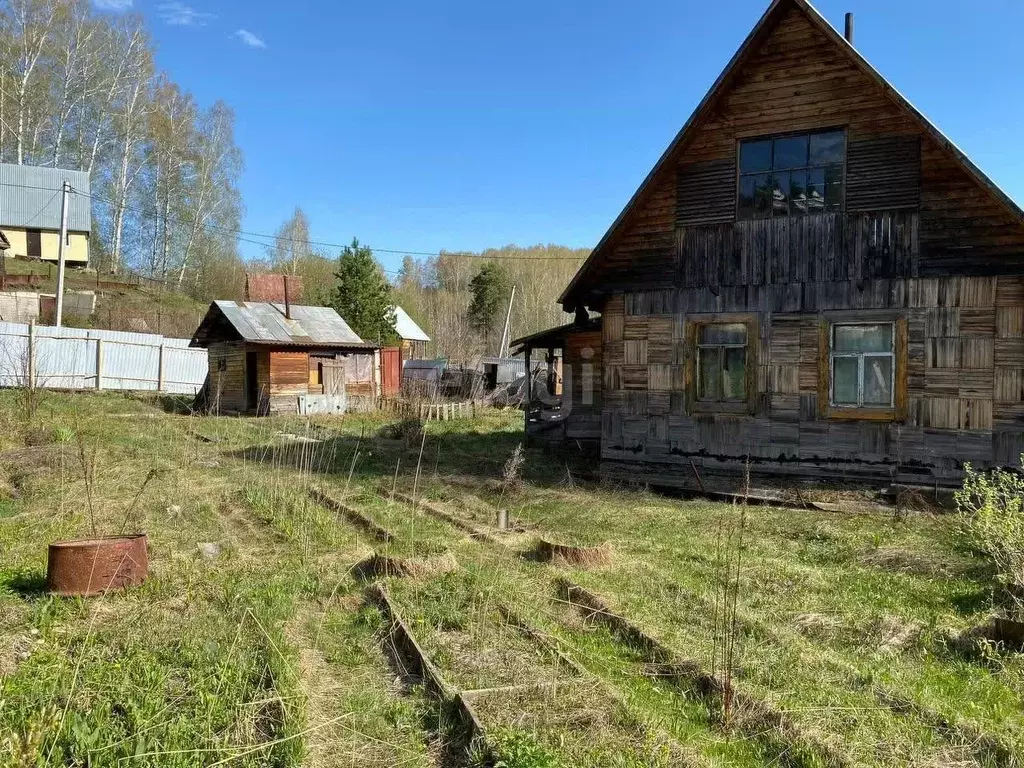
528, 399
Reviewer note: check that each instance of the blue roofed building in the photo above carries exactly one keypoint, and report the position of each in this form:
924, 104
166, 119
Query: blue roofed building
30, 200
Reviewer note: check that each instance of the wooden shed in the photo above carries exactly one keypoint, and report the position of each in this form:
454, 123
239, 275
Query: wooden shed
813, 281
413, 339
277, 358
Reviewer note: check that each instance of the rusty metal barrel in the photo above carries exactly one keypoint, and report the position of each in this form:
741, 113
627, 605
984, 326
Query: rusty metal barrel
86, 567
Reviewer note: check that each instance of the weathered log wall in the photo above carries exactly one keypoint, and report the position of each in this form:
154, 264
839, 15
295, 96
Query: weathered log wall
964, 388
920, 241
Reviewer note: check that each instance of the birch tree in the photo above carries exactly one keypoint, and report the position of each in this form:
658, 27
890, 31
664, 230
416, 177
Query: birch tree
121, 46
30, 25
214, 185
77, 58
291, 243
131, 113
79, 89
170, 148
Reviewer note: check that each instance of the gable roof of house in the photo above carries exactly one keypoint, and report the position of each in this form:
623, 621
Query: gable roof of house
265, 323
750, 45
406, 327
30, 198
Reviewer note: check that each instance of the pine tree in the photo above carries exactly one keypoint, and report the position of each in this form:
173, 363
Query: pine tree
489, 288
362, 295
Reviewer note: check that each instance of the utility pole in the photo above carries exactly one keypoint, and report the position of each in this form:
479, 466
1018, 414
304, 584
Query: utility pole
61, 246
508, 319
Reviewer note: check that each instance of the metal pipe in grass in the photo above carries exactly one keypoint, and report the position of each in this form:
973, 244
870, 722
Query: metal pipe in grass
87, 567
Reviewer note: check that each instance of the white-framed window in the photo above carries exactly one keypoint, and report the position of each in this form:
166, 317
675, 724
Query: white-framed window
722, 362
863, 365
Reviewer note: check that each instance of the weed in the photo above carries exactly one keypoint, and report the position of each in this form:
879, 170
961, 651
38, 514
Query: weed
991, 506
519, 749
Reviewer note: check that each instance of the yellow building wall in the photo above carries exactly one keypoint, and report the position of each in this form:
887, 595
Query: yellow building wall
77, 251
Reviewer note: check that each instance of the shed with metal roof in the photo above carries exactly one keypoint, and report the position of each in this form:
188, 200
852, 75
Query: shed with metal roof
281, 358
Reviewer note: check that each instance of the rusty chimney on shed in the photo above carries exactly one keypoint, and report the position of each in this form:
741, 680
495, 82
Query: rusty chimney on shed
849, 28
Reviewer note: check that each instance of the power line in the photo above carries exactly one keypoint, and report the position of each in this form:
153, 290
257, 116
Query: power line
257, 242
275, 238
45, 206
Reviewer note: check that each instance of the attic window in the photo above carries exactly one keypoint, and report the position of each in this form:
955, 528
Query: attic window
791, 175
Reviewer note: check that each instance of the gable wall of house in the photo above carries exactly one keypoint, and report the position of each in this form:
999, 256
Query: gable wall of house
919, 243
798, 80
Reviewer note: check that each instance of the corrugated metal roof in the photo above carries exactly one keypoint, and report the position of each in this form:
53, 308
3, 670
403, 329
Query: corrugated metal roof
30, 197
439, 363
508, 368
266, 323
406, 327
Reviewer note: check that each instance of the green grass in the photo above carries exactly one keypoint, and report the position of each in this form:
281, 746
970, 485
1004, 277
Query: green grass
268, 653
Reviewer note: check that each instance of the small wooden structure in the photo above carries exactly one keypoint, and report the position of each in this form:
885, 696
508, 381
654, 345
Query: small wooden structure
413, 339
280, 358
812, 283
563, 400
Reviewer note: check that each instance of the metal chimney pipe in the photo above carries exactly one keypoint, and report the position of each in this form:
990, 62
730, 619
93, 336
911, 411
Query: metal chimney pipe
849, 28
287, 302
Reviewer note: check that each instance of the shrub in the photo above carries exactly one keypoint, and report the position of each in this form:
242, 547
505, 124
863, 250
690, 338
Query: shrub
991, 505
409, 431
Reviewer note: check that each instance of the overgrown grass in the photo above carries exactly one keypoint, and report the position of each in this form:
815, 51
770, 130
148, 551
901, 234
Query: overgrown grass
263, 651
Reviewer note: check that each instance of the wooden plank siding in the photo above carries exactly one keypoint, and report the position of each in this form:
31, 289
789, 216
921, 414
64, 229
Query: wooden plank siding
798, 80
227, 376
284, 375
961, 386
918, 242
582, 382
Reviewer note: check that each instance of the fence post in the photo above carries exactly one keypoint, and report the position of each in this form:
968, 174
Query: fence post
31, 372
99, 363
160, 371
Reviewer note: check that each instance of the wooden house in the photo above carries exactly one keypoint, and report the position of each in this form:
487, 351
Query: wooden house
813, 281
413, 339
30, 213
278, 358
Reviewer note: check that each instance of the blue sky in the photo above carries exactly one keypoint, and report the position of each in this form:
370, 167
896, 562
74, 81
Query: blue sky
465, 125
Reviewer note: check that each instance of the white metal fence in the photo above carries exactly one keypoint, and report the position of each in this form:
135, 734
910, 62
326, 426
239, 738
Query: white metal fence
76, 358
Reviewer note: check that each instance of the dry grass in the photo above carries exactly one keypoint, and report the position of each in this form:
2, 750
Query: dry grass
267, 653
567, 554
